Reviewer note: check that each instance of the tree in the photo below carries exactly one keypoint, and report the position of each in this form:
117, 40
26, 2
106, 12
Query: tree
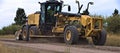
20, 18
113, 24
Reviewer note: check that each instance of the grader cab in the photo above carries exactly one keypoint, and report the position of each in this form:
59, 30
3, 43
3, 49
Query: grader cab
51, 22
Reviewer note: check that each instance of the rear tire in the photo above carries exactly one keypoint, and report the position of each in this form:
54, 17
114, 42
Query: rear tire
100, 39
18, 35
34, 30
71, 35
25, 33
28, 33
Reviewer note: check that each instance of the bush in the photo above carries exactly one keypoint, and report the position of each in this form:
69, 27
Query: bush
113, 24
9, 29
2, 32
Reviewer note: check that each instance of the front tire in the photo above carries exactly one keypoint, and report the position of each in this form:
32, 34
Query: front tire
100, 39
71, 35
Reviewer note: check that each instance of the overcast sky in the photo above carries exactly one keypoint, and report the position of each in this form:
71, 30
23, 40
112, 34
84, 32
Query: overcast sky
8, 8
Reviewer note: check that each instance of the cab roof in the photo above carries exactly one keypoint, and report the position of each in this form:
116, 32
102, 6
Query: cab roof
51, 2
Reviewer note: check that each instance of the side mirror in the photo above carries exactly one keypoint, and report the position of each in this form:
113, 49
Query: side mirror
69, 8
91, 3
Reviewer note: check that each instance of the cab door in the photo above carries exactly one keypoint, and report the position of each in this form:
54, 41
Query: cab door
42, 19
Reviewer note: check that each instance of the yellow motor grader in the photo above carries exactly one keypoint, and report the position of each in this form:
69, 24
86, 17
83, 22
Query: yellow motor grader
51, 22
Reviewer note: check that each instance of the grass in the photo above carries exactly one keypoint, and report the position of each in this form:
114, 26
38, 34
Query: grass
113, 40
7, 36
12, 49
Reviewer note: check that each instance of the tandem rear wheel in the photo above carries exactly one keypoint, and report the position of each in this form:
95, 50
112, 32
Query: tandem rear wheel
71, 35
26, 33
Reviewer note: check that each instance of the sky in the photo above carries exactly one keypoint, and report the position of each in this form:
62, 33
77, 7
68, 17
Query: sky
8, 8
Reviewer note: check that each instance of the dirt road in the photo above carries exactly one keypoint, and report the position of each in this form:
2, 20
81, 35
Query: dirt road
61, 47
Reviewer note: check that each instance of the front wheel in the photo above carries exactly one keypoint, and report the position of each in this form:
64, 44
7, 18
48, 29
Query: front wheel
71, 35
100, 38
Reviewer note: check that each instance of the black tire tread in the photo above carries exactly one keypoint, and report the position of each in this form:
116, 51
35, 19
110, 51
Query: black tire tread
74, 38
102, 39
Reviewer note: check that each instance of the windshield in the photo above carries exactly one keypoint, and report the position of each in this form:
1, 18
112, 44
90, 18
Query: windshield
54, 7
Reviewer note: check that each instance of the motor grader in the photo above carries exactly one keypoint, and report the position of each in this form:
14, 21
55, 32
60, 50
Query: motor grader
51, 22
